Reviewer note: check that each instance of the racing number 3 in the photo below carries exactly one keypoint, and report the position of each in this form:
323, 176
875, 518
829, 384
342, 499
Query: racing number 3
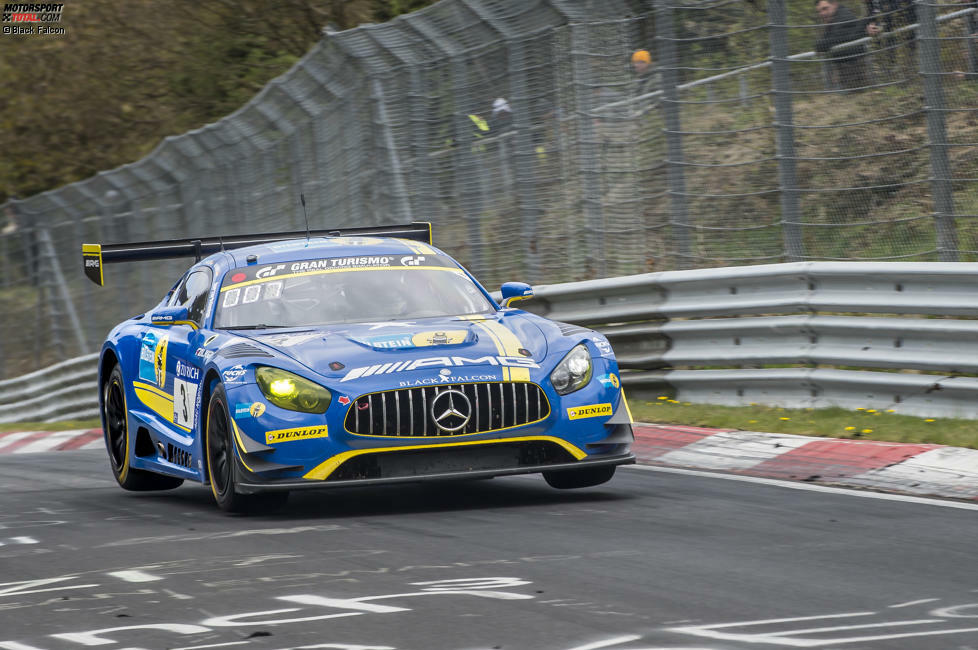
184, 394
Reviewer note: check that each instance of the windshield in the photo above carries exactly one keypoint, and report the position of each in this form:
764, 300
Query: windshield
346, 290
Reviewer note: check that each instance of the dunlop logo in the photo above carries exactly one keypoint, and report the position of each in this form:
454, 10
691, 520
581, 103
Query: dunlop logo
288, 435
589, 411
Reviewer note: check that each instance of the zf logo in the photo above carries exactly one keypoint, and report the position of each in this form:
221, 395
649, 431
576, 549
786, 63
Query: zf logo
269, 271
412, 260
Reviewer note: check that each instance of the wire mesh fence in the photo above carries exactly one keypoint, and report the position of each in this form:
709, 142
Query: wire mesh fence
539, 151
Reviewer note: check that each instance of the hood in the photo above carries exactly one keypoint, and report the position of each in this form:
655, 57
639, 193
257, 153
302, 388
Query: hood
347, 352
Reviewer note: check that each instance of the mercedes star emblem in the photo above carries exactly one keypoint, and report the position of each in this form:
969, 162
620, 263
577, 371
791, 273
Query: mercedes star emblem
451, 410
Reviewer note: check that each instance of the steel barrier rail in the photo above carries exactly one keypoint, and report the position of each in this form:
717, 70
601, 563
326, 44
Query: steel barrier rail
64, 391
883, 335
706, 335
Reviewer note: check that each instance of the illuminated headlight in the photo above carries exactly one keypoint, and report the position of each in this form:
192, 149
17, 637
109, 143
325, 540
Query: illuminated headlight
292, 392
574, 372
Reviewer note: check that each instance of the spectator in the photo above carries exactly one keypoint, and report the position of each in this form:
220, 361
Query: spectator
890, 16
893, 14
842, 26
646, 76
501, 120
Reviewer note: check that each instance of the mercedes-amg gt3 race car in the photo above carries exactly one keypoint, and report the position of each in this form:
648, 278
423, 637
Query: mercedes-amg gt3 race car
334, 358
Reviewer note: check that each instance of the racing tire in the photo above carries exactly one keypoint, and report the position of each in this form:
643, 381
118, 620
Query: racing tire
220, 453
570, 479
118, 443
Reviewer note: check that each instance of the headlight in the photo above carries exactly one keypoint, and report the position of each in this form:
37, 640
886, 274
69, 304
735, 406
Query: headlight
574, 372
292, 392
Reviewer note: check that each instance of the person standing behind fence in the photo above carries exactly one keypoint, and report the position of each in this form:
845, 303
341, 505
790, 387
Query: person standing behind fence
842, 26
645, 75
891, 16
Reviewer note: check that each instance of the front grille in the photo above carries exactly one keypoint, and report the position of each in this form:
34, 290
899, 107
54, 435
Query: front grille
408, 411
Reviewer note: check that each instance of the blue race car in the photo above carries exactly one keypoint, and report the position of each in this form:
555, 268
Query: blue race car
334, 358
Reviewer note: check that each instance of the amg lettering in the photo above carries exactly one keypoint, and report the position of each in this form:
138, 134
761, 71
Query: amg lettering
440, 362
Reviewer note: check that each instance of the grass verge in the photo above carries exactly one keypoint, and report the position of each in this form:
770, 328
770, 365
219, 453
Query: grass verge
863, 424
51, 426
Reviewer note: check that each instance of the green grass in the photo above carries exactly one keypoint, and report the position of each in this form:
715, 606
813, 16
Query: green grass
51, 426
828, 422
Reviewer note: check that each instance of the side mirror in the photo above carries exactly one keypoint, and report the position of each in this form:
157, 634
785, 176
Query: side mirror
513, 291
172, 316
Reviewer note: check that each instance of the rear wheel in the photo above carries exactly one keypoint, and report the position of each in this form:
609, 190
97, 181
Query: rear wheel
220, 463
117, 442
570, 479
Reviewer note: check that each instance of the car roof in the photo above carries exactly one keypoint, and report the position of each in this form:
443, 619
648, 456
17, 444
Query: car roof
323, 247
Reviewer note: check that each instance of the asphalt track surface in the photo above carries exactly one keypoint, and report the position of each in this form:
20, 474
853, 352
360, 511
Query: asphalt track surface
654, 559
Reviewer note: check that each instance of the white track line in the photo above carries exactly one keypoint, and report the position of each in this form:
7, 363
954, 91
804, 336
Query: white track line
807, 486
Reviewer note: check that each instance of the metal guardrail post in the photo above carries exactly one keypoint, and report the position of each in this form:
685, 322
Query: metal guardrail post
784, 123
666, 47
930, 68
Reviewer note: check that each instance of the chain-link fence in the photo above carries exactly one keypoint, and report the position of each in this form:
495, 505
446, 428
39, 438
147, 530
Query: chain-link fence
755, 135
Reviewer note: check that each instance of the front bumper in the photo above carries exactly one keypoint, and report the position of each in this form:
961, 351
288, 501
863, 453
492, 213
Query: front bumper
527, 455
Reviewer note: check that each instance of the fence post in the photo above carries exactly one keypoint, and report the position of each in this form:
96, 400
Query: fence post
401, 203
466, 173
588, 158
794, 250
665, 37
930, 68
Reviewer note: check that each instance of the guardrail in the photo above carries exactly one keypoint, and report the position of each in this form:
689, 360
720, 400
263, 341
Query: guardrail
883, 335
852, 334
64, 391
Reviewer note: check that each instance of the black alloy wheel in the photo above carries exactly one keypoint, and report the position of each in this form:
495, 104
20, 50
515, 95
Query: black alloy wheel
117, 443
219, 444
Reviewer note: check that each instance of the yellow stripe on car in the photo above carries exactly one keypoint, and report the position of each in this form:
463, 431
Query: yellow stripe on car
323, 470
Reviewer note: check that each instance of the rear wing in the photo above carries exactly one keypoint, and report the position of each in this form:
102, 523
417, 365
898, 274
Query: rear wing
94, 256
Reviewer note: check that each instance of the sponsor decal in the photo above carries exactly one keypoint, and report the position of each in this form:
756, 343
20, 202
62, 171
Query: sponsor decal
602, 344
446, 379
185, 370
152, 358
234, 374
386, 341
450, 337
206, 355
246, 274
609, 380
343, 399
288, 435
340, 262
589, 411
92, 262
248, 410
434, 362
288, 340
269, 271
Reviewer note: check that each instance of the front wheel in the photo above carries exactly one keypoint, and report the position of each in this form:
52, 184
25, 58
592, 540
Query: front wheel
219, 447
117, 442
569, 479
